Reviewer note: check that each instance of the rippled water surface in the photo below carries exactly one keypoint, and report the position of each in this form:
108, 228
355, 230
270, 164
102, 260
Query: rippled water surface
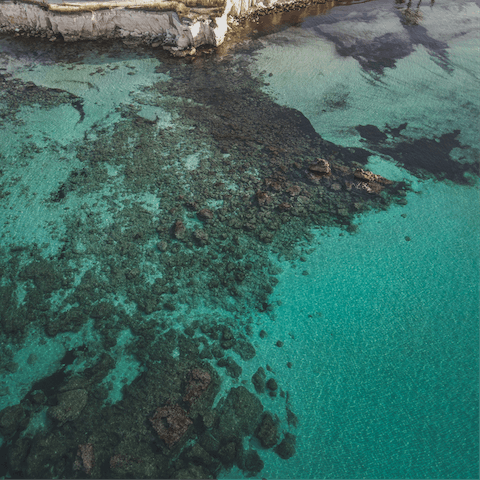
186, 291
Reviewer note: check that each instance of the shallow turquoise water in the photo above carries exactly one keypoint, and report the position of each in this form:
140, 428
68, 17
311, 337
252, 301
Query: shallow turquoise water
376, 305
383, 346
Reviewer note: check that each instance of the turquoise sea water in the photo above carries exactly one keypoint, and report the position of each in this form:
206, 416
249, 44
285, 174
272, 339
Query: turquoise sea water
363, 307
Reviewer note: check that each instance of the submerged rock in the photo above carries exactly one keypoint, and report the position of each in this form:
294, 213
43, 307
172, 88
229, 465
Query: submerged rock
263, 198
286, 448
272, 384
233, 369
70, 405
12, 419
258, 380
252, 462
85, 460
198, 382
171, 423
205, 214
201, 237
179, 229
267, 432
239, 414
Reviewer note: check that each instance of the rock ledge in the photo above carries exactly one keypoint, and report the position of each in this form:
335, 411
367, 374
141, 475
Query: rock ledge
177, 26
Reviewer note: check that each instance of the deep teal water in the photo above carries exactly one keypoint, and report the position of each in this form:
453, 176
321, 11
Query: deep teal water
375, 298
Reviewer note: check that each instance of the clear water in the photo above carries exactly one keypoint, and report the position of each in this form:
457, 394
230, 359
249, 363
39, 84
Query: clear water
375, 298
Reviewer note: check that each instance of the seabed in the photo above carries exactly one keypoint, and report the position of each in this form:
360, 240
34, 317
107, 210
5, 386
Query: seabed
259, 261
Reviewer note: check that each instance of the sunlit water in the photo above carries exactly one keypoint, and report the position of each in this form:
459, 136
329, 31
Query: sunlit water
374, 298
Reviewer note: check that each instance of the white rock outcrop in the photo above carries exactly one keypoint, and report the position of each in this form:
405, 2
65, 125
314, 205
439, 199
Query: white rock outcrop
175, 25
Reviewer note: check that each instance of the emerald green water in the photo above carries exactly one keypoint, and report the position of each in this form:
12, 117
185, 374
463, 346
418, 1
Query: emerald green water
374, 298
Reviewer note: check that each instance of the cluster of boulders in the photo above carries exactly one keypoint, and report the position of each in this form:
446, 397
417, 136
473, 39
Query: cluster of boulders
371, 182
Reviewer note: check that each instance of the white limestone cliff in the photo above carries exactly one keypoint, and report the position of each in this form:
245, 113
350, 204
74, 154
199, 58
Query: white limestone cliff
173, 24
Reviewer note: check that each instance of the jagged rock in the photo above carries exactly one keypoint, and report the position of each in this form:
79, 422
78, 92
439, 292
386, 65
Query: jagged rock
321, 167
180, 53
286, 448
371, 182
179, 28
267, 431
365, 175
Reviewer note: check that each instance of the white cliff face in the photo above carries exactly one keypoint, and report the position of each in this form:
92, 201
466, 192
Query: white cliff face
116, 22
199, 26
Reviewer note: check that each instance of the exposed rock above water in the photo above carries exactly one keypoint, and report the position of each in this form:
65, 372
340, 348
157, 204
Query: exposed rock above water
178, 26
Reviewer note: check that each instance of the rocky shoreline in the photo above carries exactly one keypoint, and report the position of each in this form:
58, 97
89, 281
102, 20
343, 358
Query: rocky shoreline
177, 27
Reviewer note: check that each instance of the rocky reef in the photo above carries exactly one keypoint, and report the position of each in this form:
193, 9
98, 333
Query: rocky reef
237, 180
179, 26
